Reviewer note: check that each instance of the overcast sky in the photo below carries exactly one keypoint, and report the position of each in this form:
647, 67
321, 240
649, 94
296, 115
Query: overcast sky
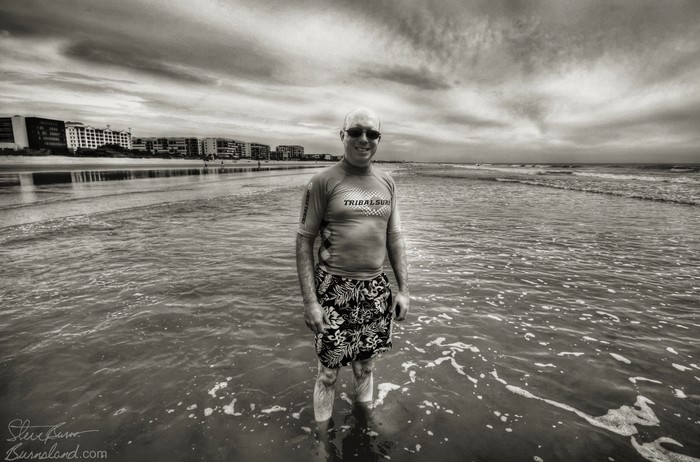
482, 81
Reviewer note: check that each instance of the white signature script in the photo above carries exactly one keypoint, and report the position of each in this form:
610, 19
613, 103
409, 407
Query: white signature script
22, 430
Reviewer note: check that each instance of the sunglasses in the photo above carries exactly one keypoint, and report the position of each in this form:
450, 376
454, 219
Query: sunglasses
357, 132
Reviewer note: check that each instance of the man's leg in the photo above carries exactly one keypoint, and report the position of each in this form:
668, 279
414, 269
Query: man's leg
324, 393
364, 386
364, 381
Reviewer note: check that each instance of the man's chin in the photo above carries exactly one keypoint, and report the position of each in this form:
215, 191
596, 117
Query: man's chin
359, 161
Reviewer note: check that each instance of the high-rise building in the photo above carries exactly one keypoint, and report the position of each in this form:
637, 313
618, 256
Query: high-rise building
18, 132
290, 152
259, 151
176, 146
86, 136
224, 148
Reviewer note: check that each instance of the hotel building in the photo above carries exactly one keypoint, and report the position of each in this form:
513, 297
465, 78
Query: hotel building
34, 133
259, 151
225, 148
290, 152
86, 136
176, 146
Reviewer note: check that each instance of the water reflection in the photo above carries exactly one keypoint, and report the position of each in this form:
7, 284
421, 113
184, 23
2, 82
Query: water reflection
28, 180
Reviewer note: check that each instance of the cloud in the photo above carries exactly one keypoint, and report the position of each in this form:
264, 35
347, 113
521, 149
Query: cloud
531, 107
446, 75
422, 79
470, 120
132, 58
675, 123
145, 38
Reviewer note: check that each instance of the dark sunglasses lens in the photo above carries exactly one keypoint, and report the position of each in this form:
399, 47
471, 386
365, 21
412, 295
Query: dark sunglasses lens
357, 132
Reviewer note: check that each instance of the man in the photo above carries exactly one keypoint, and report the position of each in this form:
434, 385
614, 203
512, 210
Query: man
348, 303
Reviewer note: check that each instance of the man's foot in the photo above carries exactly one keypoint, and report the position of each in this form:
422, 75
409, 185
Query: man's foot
323, 449
364, 415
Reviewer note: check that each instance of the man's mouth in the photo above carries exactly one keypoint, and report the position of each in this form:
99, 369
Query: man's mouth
362, 149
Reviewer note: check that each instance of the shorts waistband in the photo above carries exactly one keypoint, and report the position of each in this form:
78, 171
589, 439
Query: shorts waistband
381, 276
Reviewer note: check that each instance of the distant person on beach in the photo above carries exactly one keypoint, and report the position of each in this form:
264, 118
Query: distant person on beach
348, 303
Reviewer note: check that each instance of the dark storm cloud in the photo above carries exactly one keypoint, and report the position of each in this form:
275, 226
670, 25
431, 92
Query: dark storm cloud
143, 39
422, 78
132, 58
469, 120
17, 20
501, 40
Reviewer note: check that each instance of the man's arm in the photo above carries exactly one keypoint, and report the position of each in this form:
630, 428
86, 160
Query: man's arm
397, 256
314, 315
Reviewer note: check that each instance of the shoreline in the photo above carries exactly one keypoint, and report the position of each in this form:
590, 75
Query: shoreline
21, 164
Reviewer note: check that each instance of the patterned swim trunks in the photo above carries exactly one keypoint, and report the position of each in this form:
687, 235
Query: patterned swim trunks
360, 315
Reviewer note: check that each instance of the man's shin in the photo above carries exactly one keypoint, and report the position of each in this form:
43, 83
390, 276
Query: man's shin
324, 394
364, 389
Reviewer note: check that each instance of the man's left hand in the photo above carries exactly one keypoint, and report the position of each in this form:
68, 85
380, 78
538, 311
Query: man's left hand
400, 304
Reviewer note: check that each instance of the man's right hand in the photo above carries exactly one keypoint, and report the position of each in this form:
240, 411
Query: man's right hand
315, 318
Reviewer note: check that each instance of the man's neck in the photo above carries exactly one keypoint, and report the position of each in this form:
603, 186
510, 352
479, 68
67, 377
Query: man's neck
354, 168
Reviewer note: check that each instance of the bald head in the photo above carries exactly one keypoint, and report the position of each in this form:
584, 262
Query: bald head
361, 145
361, 115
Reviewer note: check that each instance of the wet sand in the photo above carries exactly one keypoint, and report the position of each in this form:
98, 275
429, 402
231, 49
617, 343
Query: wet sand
48, 163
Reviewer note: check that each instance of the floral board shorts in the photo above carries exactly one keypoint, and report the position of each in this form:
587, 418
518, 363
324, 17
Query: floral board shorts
360, 315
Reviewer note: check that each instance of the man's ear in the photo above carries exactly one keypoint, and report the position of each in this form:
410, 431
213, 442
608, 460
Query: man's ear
342, 135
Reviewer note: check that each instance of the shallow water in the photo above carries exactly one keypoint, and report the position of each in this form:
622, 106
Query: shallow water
546, 323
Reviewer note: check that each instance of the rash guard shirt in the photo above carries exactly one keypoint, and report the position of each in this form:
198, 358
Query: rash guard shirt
353, 209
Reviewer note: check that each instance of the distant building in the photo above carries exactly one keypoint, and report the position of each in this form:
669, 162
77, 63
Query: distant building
86, 136
290, 152
319, 157
174, 146
143, 144
18, 132
224, 148
242, 148
259, 151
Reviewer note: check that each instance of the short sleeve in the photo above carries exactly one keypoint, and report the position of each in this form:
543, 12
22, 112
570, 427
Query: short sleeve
313, 207
394, 224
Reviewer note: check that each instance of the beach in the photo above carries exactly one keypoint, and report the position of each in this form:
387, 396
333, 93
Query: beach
554, 317
53, 163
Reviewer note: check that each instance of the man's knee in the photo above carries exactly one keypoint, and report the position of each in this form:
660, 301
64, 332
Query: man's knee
327, 377
362, 369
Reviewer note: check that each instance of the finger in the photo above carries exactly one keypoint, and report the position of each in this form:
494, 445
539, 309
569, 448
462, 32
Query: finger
400, 312
313, 326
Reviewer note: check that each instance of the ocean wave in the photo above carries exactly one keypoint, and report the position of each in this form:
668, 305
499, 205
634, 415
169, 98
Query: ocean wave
648, 195
637, 177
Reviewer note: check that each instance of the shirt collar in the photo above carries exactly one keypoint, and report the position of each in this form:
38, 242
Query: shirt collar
348, 167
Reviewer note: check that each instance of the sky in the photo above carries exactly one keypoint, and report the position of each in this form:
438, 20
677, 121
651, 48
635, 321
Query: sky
452, 81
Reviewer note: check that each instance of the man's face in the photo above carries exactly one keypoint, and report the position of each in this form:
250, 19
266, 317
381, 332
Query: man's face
360, 150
